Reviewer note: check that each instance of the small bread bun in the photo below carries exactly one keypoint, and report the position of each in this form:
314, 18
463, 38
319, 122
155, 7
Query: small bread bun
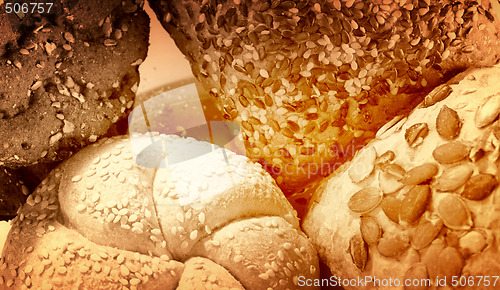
422, 200
311, 81
115, 216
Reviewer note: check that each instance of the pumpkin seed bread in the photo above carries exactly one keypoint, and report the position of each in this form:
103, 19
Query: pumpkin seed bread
311, 81
421, 200
67, 75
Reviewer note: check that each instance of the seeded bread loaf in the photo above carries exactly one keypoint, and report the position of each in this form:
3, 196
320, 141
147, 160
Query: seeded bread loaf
68, 74
310, 81
422, 199
106, 219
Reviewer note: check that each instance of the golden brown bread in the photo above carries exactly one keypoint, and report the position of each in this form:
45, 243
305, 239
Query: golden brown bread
102, 221
311, 81
422, 199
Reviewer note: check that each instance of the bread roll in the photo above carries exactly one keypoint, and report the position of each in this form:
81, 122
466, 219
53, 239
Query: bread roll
69, 72
422, 199
311, 81
100, 220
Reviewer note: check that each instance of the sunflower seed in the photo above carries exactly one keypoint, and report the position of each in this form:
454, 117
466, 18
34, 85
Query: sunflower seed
415, 134
363, 166
370, 230
453, 177
426, 231
438, 94
391, 207
420, 174
365, 200
454, 212
450, 263
448, 123
392, 247
488, 112
450, 152
480, 186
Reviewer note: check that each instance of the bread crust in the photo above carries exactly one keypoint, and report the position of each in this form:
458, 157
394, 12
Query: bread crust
71, 73
311, 81
102, 221
451, 231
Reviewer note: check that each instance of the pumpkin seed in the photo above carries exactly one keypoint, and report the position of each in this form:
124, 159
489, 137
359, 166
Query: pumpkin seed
450, 152
389, 183
471, 243
448, 123
480, 186
429, 257
438, 94
415, 203
450, 263
370, 230
426, 231
420, 174
365, 200
488, 112
394, 169
392, 247
358, 251
363, 166
391, 207
415, 134
453, 177
454, 212
386, 157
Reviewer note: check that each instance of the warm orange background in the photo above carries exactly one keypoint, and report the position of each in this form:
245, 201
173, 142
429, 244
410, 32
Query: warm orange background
164, 64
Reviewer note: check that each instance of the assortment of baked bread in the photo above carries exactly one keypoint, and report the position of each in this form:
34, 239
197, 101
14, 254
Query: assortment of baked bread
378, 120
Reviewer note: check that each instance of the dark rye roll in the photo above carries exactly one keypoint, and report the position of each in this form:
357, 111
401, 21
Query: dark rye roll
422, 200
102, 221
67, 74
310, 80
13, 192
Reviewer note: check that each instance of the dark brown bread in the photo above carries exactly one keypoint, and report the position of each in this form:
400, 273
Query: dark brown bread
13, 193
67, 76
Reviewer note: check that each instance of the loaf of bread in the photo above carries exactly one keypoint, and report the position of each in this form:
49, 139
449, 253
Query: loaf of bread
309, 82
422, 200
102, 221
69, 71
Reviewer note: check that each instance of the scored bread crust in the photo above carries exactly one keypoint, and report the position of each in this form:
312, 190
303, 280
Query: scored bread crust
454, 230
311, 81
102, 221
